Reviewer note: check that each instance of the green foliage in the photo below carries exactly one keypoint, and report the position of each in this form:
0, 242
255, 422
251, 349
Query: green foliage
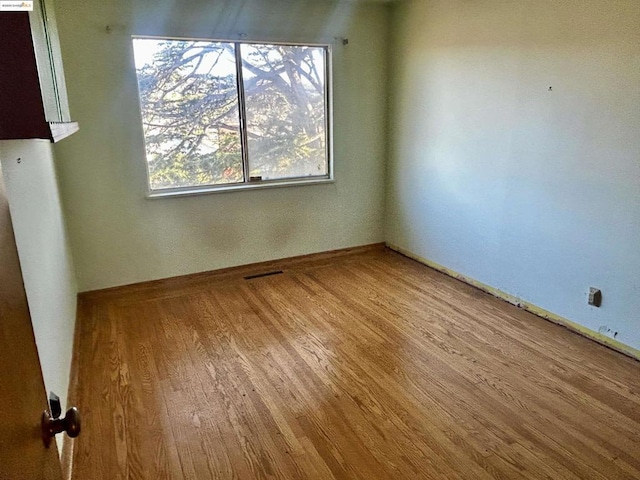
191, 115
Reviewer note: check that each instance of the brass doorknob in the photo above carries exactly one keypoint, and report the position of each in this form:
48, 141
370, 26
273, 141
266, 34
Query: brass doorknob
52, 426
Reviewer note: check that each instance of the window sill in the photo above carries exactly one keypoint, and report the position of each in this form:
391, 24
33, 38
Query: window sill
204, 190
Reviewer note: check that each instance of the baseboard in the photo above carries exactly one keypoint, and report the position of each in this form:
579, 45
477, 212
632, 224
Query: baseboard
518, 302
225, 273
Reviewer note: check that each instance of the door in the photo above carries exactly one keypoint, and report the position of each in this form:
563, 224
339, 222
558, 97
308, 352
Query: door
22, 393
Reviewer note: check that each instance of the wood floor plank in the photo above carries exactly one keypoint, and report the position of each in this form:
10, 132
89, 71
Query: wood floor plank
364, 366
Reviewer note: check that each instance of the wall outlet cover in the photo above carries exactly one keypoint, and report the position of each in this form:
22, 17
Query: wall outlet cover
595, 297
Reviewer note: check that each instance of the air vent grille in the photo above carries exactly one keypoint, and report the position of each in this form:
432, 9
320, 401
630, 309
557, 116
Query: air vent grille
265, 274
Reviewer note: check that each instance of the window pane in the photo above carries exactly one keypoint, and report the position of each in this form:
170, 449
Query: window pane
285, 107
189, 100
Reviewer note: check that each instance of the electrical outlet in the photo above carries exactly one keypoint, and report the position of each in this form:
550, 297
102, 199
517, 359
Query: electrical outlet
595, 297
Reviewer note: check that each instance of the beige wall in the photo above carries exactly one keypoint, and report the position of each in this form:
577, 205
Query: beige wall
45, 258
119, 237
530, 189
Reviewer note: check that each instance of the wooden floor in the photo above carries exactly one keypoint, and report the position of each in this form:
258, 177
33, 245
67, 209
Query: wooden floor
367, 366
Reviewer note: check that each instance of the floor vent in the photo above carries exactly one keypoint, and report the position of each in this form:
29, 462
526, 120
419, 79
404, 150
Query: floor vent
265, 274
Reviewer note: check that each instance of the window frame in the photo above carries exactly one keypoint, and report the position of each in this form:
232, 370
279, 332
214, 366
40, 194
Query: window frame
247, 183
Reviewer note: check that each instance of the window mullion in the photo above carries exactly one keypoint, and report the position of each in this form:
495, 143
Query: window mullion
242, 112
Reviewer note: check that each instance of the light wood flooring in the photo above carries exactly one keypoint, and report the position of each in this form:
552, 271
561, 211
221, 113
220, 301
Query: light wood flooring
364, 366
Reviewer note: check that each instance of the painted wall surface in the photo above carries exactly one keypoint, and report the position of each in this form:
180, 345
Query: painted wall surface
515, 149
120, 237
45, 258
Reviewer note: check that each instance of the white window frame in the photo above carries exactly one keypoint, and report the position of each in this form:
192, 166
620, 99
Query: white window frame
248, 183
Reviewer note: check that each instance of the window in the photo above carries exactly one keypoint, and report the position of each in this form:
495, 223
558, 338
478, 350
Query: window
223, 114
